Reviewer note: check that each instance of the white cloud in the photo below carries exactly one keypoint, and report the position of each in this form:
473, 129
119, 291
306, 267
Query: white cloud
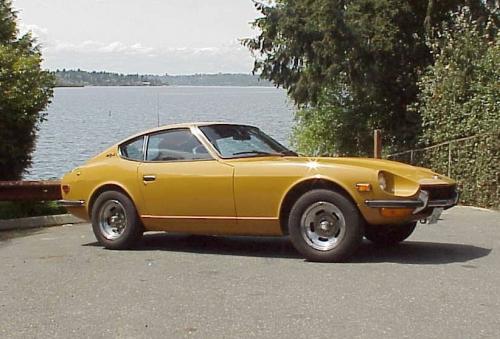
132, 58
38, 32
97, 47
136, 56
34, 28
118, 56
175, 36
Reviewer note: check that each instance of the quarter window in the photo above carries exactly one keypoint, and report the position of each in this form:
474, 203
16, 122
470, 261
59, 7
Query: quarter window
175, 145
133, 150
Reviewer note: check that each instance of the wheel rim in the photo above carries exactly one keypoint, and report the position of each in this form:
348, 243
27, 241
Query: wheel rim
323, 225
112, 219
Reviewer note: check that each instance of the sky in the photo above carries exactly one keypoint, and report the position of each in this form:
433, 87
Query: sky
141, 36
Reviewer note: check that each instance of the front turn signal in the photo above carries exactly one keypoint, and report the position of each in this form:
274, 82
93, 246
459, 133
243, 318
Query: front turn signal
396, 212
363, 187
65, 189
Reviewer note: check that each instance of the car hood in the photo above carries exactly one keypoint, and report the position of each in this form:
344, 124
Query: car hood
417, 174
324, 165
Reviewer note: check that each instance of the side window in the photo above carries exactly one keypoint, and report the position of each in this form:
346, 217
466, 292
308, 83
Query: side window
175, 145
133, 149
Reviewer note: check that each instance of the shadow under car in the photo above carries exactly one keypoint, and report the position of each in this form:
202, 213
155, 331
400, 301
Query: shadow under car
408, 252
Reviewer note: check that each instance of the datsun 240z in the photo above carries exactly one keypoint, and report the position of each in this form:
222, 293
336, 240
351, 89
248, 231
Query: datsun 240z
231, 179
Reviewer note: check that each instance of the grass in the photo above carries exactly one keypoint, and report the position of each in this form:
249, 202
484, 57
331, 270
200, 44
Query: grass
22, 209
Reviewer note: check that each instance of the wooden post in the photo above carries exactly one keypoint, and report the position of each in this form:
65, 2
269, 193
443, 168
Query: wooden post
377, 144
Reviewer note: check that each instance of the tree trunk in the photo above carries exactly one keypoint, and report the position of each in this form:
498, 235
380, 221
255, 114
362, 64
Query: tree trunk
428, 16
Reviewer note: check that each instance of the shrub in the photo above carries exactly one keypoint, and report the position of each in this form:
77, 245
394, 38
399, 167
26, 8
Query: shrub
460, 97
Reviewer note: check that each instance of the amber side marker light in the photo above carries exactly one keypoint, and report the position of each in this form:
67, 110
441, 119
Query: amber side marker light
396, 212
65, 189
362, 187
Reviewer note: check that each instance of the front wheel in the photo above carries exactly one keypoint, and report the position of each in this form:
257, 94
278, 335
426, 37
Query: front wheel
325, 226
387, 235
115, 222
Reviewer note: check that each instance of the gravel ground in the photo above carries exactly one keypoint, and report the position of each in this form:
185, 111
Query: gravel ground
444, 282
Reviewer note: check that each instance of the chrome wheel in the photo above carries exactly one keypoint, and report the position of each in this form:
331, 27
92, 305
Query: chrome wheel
112, 219
323, 226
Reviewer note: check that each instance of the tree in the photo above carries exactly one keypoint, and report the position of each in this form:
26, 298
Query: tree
459, 98
372, 51
25, 91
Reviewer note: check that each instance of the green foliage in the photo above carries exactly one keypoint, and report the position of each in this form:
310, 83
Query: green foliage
25, 91
459, 93
332, 127
460, 97
373, 49
12, 210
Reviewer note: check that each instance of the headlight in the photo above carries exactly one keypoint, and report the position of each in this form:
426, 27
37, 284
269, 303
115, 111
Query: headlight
382, 182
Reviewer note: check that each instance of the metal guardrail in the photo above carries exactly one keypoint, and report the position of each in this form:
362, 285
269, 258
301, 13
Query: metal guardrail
449, 143
456, 158
45, 190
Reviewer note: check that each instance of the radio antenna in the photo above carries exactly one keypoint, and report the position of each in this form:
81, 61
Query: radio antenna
158, 108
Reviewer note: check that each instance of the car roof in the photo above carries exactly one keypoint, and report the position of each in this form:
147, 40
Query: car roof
180, 125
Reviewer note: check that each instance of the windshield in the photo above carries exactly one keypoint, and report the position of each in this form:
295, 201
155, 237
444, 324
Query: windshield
237, 141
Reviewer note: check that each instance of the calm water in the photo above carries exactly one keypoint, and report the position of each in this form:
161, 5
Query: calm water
83, 121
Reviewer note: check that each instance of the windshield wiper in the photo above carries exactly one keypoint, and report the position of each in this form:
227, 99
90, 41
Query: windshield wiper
255, 152
288, 152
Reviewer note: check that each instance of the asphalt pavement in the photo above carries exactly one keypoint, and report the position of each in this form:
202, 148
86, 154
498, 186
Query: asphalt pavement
444, 282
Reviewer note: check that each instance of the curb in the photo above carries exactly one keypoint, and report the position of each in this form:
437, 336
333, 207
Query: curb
35, 222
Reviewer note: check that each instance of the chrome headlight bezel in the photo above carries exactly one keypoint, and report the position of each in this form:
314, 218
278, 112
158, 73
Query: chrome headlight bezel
382, 181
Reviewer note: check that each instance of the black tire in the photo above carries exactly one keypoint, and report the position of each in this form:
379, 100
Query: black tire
342, 234
388, 235
131, 227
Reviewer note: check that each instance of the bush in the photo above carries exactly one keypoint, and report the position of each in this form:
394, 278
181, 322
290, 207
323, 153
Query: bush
333, 127
25, 91
460, 97
11, 210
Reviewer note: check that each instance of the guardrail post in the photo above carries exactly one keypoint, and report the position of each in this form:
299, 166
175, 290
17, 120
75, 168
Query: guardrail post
377, 144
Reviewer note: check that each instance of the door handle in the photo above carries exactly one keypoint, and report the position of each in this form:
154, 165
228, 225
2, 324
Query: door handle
149, 177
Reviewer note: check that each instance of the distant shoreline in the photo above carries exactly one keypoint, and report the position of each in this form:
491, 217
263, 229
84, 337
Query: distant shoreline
171, 86
68, 86
79, 78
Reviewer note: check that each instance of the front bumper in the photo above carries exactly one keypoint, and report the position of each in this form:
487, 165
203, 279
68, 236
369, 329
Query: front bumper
421, 203
70, 203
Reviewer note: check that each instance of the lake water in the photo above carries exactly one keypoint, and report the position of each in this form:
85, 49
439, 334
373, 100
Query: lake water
84, 121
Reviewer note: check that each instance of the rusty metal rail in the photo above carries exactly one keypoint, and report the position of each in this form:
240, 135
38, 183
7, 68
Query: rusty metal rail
45, 190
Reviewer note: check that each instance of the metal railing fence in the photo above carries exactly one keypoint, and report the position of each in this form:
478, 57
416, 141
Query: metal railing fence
472, 161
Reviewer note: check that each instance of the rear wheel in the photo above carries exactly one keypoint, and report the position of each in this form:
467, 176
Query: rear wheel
387, 235
325, 226
115, 222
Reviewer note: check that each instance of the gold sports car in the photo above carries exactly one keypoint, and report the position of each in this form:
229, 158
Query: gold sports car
231, 179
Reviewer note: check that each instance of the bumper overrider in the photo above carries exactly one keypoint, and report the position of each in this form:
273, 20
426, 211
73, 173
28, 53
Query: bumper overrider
420, 204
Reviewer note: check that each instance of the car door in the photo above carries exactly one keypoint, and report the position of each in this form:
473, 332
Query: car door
183, 187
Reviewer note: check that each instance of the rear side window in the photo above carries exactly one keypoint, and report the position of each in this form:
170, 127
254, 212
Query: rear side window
175, 145
133, 149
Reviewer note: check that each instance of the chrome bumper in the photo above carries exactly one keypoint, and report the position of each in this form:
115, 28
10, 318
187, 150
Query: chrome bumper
419, 204
70, 203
